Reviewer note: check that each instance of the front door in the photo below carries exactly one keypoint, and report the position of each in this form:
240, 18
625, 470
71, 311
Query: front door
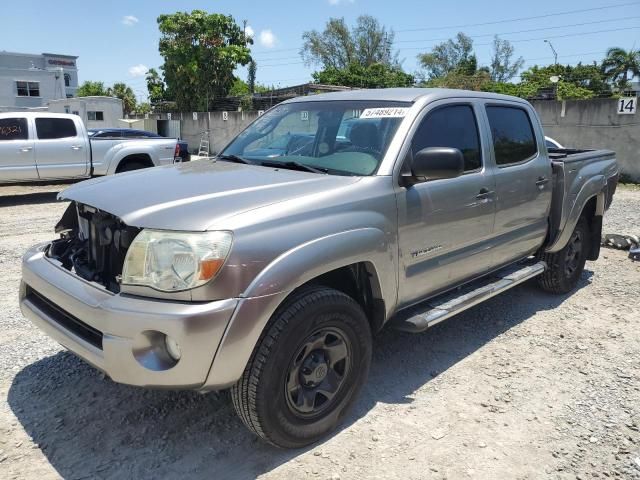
444, 225
17, 160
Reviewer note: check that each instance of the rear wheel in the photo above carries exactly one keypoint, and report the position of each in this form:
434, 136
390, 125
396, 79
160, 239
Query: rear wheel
132, 165
565, 267
307, 369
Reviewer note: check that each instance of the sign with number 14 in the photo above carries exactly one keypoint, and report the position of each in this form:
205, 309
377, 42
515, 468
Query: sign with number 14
627, 105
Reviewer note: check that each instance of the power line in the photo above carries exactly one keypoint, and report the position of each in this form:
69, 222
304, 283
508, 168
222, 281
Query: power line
524, 31
545, 37
520, 19
482, 35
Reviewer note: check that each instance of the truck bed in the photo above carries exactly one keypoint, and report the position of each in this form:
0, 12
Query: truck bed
575, 172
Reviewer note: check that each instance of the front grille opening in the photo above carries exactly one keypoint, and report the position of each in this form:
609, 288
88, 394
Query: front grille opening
93, 244
65, 319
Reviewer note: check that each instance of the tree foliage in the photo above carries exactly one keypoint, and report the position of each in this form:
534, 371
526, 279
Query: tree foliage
91, 89
201, 51
447, 57
338, 46
503, 66
376, 75
155, 86
620, 65
125, 93
251, 76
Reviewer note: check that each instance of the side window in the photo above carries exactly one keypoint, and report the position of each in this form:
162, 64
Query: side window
512, 132
50, 128
453, 127
13, 129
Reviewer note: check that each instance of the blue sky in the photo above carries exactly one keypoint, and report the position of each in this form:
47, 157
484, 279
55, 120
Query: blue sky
118, 40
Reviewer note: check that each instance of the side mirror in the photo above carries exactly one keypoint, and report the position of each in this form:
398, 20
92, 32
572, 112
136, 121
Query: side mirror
435, 163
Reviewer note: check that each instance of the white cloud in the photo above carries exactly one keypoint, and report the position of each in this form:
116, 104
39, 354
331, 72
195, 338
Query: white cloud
249, 31
138, 70
129, 20
267, 38
338, 2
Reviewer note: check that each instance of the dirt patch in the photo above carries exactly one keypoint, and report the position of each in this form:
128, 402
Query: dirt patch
527, 385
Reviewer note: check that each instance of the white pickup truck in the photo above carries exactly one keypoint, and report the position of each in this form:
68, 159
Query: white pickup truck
37, 146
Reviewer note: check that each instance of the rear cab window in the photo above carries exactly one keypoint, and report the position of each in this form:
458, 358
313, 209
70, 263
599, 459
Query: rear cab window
514, 140
13, 129
54, 128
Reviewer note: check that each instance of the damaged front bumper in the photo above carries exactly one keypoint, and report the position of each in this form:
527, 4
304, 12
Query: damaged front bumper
122, 335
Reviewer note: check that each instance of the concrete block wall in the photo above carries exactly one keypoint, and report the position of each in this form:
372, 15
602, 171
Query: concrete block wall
594, 124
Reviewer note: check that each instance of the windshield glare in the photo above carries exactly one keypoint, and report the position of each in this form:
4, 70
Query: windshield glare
340, 137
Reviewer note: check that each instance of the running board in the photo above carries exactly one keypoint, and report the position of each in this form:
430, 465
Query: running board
427, 314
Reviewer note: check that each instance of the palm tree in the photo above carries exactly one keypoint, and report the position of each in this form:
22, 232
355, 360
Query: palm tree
124, 93
620, 65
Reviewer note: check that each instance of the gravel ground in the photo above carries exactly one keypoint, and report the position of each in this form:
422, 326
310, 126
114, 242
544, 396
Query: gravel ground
527, 385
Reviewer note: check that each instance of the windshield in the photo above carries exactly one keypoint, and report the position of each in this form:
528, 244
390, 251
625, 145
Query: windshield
339, 137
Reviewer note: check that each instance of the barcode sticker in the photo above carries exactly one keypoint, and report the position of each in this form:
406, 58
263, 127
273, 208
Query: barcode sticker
391, 112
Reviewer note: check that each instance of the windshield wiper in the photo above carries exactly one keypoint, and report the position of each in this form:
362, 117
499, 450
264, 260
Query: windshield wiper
234, 159
294, 166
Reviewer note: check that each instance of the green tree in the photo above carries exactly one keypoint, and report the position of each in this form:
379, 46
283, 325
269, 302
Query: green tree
447, 57
143, 107
201, 51
155, 86
91, 89
620, 65
125, 93
338, 46
376, 75
503, 66
239, 88
251, 76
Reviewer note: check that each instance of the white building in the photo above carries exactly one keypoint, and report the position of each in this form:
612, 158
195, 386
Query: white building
96, 112
30, 81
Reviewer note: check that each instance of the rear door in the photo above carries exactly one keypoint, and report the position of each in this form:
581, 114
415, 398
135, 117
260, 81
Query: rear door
61, 148
523, 180
17, 160
444, 226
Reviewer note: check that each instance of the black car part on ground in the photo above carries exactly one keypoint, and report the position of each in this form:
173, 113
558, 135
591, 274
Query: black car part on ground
623, 242
93, 244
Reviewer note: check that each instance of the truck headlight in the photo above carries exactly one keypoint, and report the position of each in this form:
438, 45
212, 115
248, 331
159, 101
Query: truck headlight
174, 261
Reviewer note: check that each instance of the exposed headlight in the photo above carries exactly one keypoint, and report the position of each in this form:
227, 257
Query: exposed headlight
174, 261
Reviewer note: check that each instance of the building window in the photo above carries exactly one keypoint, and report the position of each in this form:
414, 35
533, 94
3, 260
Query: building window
67, 80
98, 116
67, 109
28, 89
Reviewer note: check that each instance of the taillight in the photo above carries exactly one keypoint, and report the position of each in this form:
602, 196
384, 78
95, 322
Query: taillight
176, 153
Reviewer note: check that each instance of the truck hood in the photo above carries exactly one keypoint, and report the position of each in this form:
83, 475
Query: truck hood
193, 196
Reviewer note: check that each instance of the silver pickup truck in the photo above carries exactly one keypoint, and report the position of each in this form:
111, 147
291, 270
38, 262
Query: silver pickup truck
42, 146
268, 269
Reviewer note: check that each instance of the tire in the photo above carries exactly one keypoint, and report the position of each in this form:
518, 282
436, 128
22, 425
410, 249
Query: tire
130, 166
296, 388
565, 267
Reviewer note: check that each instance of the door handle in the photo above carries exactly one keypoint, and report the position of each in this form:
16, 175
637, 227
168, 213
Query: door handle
541, 182
484, 193
26, 149
76, 147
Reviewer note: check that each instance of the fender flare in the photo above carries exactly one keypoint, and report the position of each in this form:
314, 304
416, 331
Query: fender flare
114, 156
282, 276
594, 187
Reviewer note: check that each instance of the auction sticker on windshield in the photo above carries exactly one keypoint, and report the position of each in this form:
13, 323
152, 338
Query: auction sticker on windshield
393, 112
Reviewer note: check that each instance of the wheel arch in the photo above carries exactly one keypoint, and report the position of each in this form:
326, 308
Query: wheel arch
361, 267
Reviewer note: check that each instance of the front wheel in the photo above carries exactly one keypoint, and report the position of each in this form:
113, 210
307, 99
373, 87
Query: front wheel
307, 369
565, 267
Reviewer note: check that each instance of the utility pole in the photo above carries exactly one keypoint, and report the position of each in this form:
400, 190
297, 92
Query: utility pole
555, 54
